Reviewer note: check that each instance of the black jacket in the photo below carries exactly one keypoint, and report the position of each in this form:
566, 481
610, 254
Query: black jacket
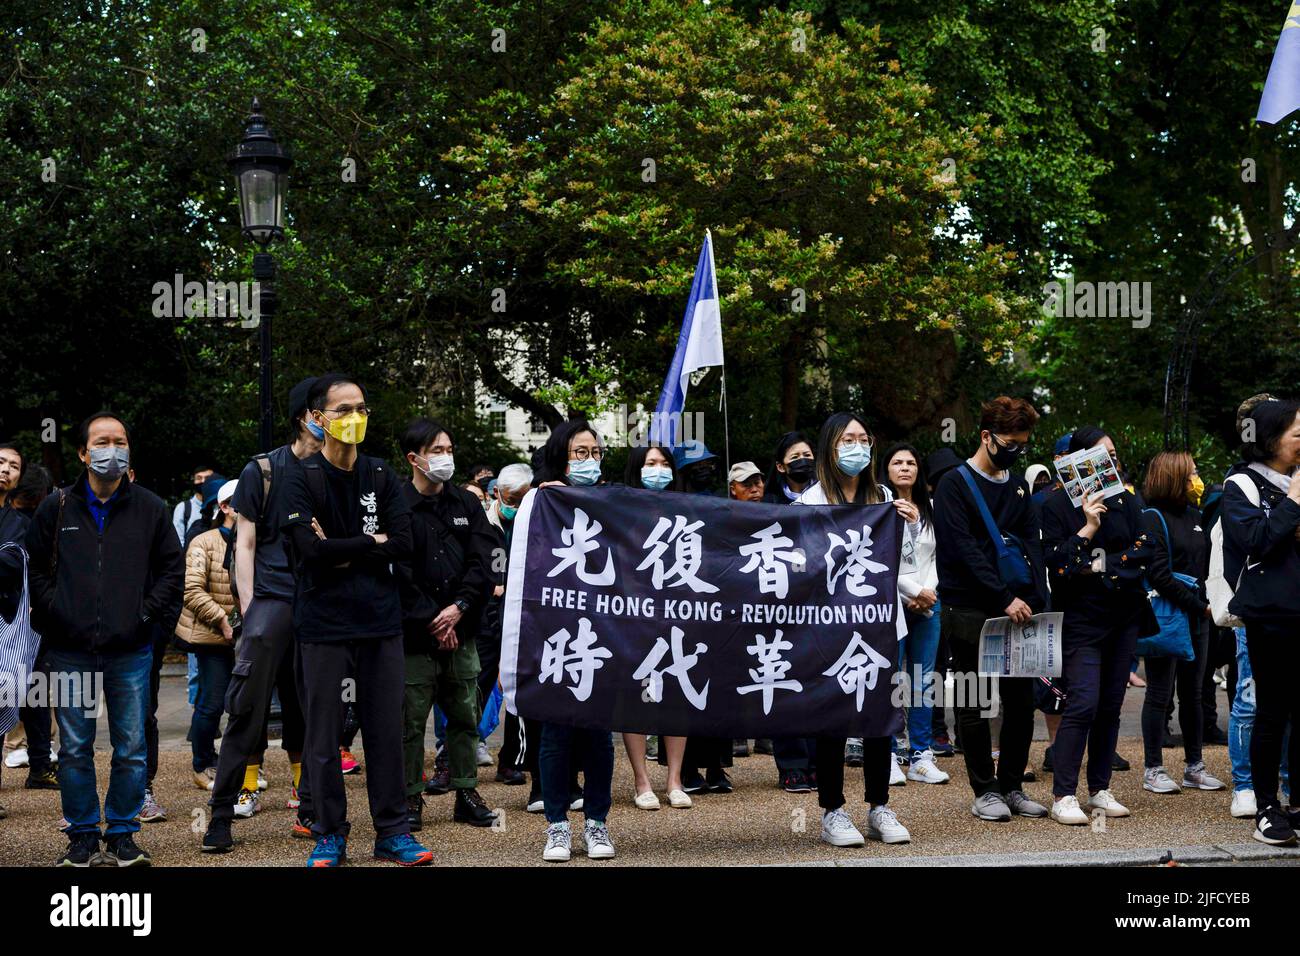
1262, 539
451, 559
108, 587
13, 528
1190, 555
1118, 593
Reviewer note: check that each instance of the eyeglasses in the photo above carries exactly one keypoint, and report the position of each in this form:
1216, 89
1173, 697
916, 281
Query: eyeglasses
1008, 445
864, 442
582, 453
363, 410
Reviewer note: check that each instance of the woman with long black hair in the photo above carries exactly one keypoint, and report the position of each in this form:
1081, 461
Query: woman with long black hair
652, 468
572, 456
845, 477
918, 576
1097, 557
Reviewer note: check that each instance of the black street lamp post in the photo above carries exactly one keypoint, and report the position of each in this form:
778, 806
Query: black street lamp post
261, 167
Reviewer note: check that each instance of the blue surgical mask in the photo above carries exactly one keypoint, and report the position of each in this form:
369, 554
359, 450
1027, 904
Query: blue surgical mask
584, 472
109, 462
508, 512
854, 458
656, 477
316, 431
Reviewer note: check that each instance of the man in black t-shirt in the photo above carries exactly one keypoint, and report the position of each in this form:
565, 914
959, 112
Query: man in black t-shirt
347, 525
264, 656
971, 590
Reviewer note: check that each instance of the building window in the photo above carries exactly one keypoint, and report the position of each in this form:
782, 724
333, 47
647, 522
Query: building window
498, 422
537, 426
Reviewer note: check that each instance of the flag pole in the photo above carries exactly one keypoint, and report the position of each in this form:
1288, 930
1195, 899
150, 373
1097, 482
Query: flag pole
722, 398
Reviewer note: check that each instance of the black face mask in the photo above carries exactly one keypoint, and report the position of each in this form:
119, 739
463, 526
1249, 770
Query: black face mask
701, 479
1002, 456
801, 470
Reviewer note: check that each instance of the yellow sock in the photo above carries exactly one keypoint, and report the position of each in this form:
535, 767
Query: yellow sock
250, 776
297, 773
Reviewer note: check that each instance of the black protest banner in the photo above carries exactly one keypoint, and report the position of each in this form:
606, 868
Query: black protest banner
663, 613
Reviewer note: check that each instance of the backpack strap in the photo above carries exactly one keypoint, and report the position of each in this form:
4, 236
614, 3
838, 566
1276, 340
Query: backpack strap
1169, 544
264, 463
58, 523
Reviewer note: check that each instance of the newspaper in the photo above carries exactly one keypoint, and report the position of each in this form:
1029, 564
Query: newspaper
1032, 649
1086, 472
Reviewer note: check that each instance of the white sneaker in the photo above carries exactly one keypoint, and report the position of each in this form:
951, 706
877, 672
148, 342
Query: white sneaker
557, 843
1196, 777
599, 845
883, 825
1066, 810
923, 768
1105, 800
1157, 780
17, 758
647, 801
247, 804
838, 829
576, 804
896, 776
1243, 804
482, 755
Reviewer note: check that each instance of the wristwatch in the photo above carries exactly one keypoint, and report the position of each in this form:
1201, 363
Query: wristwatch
463, 605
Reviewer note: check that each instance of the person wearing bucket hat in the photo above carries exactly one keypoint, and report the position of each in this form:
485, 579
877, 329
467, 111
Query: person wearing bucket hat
698, 468
263, 585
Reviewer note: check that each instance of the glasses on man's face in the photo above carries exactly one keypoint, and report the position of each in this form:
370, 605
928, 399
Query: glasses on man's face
342, 410
1009, 445
583, 452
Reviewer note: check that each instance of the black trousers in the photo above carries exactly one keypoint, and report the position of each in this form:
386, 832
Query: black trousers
521, 739
795, 753
942, 664
378, 668
264, 660
1163, 673
877, 752
709, 754
1273, 656
962, 626
38, 723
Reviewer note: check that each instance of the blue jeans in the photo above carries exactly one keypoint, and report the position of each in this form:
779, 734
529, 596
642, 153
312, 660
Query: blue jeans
1241, 721
126, 697
916, 656
215, 666
593, 751
192, 678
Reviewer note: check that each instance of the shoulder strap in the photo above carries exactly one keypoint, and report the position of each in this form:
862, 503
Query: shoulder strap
264, 463
58, 523
1169, 544
1249, 488
981, 504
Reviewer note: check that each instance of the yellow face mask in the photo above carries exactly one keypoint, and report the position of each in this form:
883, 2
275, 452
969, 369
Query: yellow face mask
349, 429
1196, 487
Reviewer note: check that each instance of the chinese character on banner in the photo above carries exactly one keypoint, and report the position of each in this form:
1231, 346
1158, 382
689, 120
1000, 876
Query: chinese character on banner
688, 552
769, 676
855, 564
578, 542
680, 668
579, 656
857, 669
764, 556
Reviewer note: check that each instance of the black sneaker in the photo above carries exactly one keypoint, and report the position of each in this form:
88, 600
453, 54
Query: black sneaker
83, 849
218, 839
511, 777
1273, 827
720, 783
795, 781
471, 809
45, 779
1119, 763
812, 779
415, 812
695, 784
120, 850
440, 782
1047, 760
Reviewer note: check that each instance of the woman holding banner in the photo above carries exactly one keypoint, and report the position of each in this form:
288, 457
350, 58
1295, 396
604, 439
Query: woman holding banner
844, 477
652, 469
572, 456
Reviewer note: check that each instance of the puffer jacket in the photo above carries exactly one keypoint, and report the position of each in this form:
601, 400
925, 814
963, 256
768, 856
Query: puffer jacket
208, 595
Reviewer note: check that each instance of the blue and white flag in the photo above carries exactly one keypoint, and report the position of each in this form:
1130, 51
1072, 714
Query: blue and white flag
699, 346
1282, 88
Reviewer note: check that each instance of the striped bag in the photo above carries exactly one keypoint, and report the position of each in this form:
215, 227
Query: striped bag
18, 647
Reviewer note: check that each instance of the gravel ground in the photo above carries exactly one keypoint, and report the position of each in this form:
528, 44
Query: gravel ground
758, 824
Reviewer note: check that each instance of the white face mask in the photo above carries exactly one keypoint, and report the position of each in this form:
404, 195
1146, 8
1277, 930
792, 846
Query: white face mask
440, 467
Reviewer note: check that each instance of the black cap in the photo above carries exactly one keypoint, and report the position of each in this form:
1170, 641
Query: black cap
938, 462
298, 397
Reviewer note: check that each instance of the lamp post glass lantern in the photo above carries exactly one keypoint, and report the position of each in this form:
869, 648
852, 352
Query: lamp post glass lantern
261, 167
